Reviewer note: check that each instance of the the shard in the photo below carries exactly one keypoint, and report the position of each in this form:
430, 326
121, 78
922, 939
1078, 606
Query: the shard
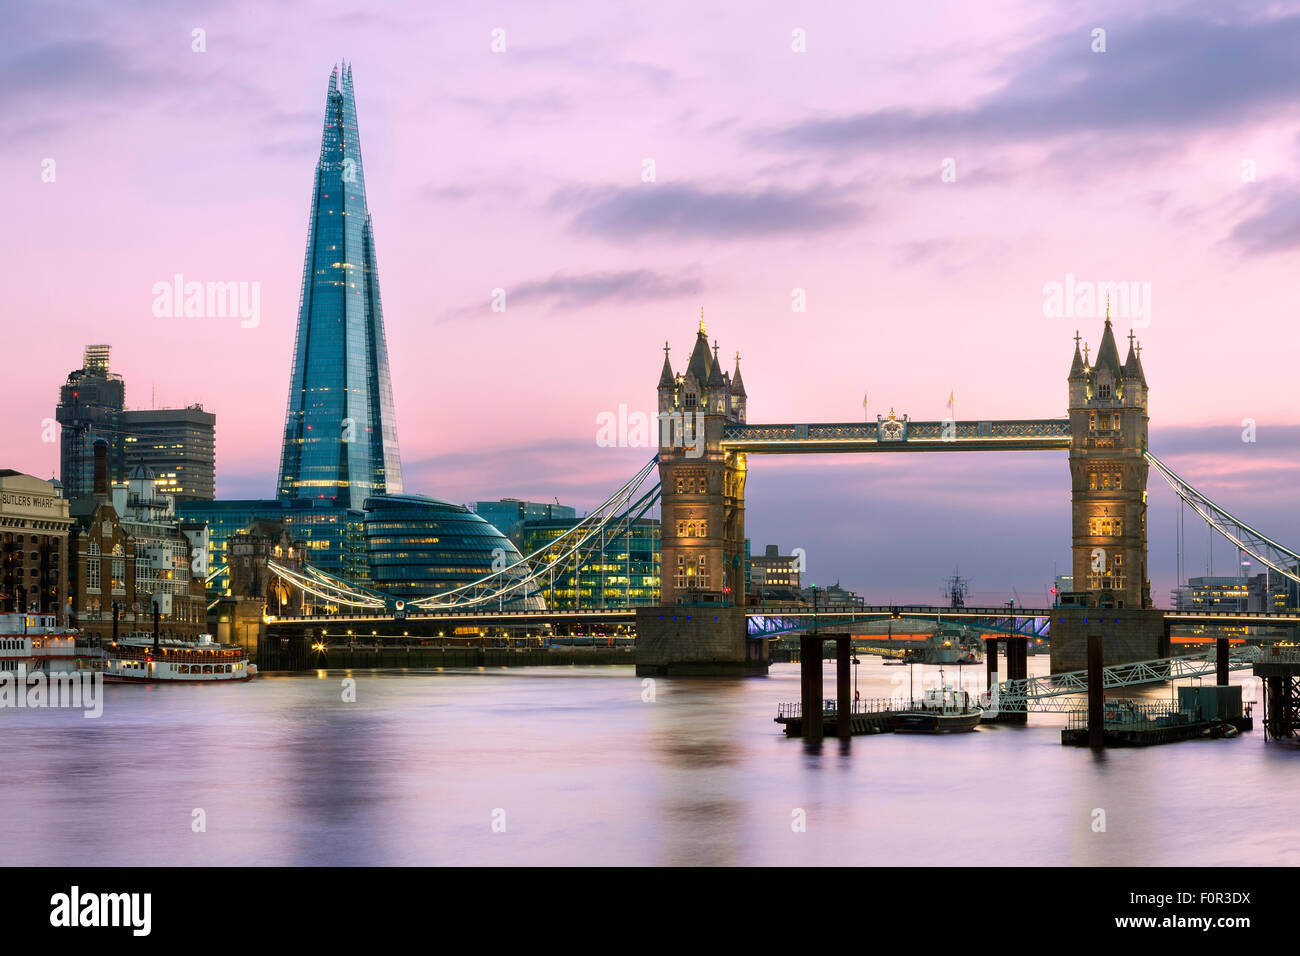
340, 436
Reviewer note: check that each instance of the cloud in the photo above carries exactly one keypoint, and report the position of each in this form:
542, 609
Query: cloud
570, 291
1157, 76
686, 211
82, 68
534, 107
1275, 227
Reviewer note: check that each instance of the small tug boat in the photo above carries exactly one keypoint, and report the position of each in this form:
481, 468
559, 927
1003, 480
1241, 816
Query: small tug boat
943, 710
143, 658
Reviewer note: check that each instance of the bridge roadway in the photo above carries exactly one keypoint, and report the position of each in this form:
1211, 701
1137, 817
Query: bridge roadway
892, 434
761, 616
624, 615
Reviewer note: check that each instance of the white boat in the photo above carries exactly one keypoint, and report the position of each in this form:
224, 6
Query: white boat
138, 657
943, 710
41, 645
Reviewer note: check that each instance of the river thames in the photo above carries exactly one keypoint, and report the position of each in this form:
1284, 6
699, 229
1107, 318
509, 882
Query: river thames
572, 765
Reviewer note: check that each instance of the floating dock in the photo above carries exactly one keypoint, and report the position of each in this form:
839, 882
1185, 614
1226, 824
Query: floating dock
1201, 711
868, 717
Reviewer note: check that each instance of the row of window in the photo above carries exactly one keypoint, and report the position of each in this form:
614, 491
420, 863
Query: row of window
693, 529
692, 574
1106, 582
18, 539
1105, 481
1104, 526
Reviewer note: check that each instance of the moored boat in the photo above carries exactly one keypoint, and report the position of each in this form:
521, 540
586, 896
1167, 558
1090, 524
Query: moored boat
39, 644
943, 710
952, 645
140, 658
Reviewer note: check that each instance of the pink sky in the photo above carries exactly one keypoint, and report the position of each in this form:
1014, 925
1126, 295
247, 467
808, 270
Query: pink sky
775, 170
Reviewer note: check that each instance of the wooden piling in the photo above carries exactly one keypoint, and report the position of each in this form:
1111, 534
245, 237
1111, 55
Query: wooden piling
1096, 694
844, 686
810, 673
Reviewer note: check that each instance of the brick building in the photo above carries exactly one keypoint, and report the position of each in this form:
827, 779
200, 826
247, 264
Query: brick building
34, 525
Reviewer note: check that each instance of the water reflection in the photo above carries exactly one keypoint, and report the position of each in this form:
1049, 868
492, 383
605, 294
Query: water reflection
584, 770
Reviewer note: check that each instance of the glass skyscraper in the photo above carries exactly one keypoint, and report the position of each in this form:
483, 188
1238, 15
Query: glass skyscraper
340, 437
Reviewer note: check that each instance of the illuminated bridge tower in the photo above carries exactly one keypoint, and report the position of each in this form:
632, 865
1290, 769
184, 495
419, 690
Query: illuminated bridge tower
700, 626
1108, 480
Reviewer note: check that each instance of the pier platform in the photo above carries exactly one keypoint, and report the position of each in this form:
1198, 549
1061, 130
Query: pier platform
1205, 710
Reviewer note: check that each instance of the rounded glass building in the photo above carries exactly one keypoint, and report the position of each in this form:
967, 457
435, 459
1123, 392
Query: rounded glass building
418, 546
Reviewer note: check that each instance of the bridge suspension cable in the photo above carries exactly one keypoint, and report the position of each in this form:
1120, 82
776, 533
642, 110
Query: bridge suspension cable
1259, 546
519, 581
329, 588
566, 554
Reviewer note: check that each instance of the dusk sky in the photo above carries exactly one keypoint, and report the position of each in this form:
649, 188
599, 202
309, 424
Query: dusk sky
921, 171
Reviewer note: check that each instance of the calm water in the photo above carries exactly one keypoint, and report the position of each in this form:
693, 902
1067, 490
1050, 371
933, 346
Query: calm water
587, 772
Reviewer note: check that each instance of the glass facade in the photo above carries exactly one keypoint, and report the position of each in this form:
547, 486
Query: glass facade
418, 546
509, 514
333, 536
340, 436
626, 576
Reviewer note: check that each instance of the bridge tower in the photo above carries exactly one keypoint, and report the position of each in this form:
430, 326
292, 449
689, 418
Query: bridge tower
1108, 473
700, 626
1108, 482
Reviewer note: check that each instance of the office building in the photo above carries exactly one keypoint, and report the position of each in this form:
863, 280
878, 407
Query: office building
1212, 593
177, 444
34, 526
775, 576
340, 436
509, 514
623, 573
89, 410
418, 546
128, 553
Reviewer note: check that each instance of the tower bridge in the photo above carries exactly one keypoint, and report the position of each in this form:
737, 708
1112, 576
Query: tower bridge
702, 626
703, 500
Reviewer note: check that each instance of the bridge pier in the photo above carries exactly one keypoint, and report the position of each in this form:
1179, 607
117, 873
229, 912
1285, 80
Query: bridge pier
990, 662
697, 640
811, 679
1129, 634
1017, 669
